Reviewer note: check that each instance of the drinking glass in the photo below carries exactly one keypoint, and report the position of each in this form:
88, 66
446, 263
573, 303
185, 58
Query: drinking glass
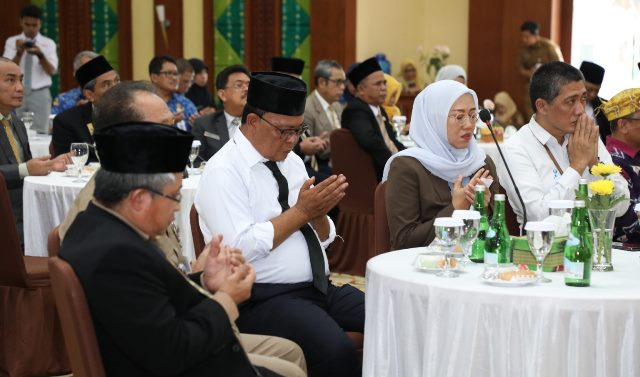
540, 236
448, 231
195, 149
560, 207
27, 119
79, 155
399, 121
471, 221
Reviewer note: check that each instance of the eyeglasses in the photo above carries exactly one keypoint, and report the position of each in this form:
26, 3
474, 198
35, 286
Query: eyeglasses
176, 198
338, 82
631, 119
239, 85
461, 118
169, 73
286, 133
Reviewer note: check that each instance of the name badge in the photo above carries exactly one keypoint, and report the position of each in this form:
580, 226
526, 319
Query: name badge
211, 135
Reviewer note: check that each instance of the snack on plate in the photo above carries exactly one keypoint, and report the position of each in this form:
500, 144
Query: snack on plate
517, 275
485, 135
452, 261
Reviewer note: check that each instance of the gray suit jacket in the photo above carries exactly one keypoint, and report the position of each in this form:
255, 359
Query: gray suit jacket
212, 132
9, 166
318, 121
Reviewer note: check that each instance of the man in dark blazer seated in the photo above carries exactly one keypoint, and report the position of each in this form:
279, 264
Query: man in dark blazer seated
593, 77
15, 156
215, 129
150, 319
366, 119
75, 125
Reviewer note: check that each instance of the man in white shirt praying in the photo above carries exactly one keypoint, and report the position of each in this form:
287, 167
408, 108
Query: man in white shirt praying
257, 194
550, 154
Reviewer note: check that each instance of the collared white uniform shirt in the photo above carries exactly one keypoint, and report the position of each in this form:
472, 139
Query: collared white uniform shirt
537, 177
238, 197
39, 78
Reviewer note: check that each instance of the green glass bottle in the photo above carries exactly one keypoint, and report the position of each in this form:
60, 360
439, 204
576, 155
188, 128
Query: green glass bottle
498, 241
583, 194
477, 250
578, 249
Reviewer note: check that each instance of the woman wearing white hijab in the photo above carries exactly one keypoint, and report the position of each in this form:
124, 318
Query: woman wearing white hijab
452, 72
437, 176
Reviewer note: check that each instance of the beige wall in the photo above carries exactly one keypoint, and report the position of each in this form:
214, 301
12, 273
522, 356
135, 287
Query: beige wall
192, 45
142, 16
399, 27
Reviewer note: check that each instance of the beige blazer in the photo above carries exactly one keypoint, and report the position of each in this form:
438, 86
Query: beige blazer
318, 121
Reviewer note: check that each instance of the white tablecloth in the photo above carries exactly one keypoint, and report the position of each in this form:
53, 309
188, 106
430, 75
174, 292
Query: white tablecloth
418, 324
39, 144
48, 199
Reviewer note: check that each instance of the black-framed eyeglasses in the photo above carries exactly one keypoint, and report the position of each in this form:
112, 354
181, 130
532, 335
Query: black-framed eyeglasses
338, 82
239, 85
176, 198
288, 132
169, 73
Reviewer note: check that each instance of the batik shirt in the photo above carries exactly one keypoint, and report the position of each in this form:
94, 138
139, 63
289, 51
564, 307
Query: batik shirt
627, 228
180, 102
66, 100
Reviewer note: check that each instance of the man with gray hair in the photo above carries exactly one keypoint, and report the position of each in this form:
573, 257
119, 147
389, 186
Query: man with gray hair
323, 110
550, 154
70, 98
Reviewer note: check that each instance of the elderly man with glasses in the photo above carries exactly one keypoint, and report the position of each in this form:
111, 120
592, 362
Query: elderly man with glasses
215, 129
257, 194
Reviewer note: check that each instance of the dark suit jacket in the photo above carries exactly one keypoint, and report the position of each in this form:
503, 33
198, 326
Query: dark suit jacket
9, 166
212, 131
601, 120
360, 120
149, 320
70, 126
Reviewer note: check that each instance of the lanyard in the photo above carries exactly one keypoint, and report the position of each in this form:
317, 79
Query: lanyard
553, 159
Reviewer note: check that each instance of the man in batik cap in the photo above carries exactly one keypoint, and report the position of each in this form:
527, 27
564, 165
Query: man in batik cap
593, 77
150, 319
623, 111
365, 117
257, 194
76, 125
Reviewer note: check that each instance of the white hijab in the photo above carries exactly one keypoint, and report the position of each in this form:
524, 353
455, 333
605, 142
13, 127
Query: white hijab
451, 72
429, 132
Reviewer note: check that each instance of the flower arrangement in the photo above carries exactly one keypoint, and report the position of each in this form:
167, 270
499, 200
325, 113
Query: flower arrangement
601, 214
436, 60
602, 189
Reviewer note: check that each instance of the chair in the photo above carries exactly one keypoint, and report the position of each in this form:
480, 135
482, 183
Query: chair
31, 342
53, 242
381, 226
77, 325
355, 223
196, 233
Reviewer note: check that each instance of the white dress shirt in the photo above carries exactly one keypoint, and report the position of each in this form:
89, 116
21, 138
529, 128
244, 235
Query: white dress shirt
39, 78
230, 126
537, 177
238, 196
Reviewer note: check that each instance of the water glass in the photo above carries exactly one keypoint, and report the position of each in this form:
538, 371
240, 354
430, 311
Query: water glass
471, 221
448, 231
27, 118
560, 207
79, 155
540, 235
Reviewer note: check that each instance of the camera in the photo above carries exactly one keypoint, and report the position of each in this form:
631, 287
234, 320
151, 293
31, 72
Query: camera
29, 44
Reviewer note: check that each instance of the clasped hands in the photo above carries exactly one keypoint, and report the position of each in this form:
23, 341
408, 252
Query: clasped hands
464, 197
583, 144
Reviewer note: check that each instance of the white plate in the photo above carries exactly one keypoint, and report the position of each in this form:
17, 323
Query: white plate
509, 283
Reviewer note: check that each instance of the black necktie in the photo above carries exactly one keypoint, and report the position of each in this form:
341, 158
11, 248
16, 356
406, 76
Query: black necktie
315, 250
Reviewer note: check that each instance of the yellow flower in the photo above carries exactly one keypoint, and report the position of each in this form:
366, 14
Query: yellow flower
603, 170
601, 187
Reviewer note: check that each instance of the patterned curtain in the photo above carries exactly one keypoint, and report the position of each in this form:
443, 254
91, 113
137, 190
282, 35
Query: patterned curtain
104, 36
228, 18
50, 29
296, 36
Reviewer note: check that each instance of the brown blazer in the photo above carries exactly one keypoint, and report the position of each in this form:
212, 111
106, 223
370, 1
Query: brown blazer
415, 197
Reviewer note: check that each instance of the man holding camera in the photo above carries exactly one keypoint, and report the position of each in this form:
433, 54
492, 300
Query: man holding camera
37, 58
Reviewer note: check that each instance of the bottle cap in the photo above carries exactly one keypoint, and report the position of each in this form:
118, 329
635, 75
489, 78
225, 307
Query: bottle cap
499, 197
540, 226
479, 187
447, 221
560, 204
466, 214
584, 181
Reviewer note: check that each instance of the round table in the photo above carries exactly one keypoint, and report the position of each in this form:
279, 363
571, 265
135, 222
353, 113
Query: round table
47, 199
419, 324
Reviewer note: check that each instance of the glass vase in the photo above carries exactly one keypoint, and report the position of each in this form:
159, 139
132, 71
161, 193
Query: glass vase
602, 221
